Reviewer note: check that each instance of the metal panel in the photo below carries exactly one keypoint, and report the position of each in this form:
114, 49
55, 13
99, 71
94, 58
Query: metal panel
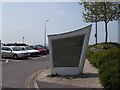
67, 51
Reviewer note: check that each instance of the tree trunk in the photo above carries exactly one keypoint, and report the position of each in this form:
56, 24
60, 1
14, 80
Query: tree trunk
106, 37
96, 32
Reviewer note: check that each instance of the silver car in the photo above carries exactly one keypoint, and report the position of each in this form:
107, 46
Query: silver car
32, 51
14, 52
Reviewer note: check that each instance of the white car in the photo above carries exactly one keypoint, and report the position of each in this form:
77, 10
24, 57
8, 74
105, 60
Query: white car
32, 51
14, 52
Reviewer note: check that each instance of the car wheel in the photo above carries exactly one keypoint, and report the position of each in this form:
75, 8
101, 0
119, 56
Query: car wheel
36, 54
40, 53
26, 57
2, 56
15, 56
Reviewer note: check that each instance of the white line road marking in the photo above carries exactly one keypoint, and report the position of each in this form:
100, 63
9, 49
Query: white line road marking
18, 60
33, 58
44, 56
11, 60
7, 60
38, 57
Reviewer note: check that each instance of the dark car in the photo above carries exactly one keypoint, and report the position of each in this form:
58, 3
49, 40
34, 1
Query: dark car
45, 47
42, 51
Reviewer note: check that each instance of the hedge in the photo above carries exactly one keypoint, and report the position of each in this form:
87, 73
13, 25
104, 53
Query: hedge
106, 57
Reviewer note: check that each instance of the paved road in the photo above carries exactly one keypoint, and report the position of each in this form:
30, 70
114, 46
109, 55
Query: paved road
15, 73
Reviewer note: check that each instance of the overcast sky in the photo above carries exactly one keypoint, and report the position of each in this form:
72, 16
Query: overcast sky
27, 19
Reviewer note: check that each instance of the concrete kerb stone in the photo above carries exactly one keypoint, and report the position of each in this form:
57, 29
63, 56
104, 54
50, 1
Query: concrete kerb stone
36, 78
87, 80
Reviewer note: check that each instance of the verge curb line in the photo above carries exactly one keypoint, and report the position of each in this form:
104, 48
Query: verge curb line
36, 77
33, 77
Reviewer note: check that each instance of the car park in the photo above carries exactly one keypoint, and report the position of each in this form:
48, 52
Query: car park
14, 52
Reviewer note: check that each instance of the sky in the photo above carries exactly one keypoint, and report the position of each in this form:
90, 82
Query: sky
27, 19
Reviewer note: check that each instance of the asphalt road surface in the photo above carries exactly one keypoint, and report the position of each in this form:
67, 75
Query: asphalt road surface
15, 73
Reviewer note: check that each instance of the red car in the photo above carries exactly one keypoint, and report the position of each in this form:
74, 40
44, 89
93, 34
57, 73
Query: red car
42, 51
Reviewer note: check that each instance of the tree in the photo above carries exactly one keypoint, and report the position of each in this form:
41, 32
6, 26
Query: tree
101, 11
91, 13
109, 11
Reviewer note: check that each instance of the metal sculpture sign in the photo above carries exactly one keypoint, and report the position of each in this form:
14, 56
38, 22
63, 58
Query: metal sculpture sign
68, 51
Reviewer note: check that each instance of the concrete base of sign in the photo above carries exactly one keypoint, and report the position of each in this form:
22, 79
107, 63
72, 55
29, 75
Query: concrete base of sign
65, 71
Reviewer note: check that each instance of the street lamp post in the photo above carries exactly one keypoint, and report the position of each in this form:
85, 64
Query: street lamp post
45, 33
23, 39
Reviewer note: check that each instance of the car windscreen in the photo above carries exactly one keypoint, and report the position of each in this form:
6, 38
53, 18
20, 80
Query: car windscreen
38, 46
17, 49
29, 48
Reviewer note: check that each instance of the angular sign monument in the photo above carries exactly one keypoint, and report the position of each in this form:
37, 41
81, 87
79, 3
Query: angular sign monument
68, 51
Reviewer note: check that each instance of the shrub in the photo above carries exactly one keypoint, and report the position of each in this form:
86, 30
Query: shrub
98, 54
109, 74
106, 57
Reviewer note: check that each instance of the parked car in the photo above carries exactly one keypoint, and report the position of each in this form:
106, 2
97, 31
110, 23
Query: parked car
31, 50
45, 47
40, 49
14, 52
